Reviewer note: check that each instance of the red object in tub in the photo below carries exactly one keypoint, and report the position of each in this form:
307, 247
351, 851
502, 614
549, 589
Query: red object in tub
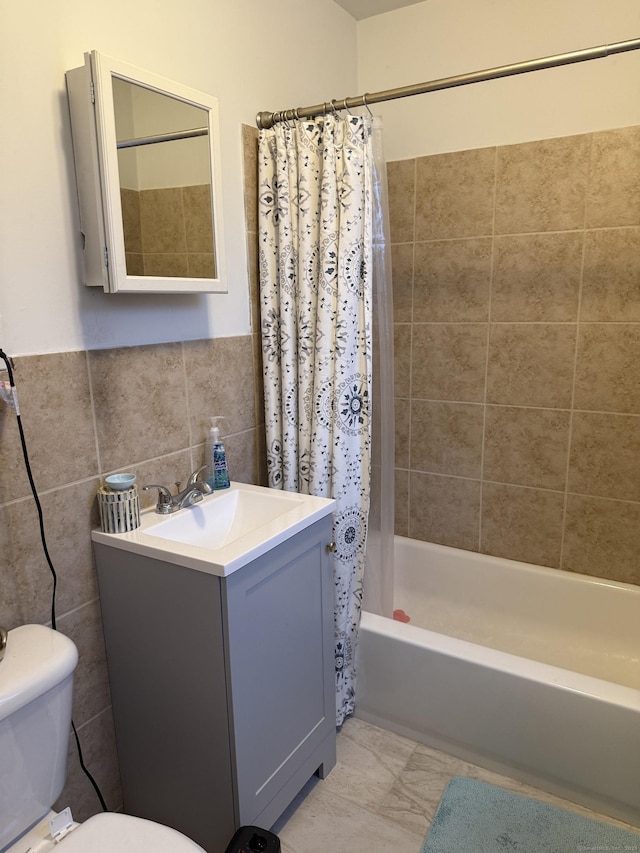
401, 616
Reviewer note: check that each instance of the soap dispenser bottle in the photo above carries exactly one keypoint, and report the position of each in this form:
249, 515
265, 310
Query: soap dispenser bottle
216, 458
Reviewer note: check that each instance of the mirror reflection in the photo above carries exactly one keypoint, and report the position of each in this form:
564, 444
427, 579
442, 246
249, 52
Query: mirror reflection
164, 171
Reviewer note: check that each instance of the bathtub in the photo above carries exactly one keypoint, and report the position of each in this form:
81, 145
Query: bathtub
525, 670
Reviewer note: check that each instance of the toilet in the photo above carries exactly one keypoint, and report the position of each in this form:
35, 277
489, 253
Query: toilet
36, 680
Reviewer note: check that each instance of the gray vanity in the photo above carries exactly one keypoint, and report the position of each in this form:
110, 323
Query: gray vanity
220, 658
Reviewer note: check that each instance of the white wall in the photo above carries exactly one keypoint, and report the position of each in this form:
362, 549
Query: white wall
252, 55
442, 38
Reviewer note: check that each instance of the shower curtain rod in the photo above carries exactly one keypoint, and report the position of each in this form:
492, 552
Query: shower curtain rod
162, 137
265, 120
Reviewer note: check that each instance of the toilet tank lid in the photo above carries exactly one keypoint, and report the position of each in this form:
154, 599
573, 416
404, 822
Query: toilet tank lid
36, 659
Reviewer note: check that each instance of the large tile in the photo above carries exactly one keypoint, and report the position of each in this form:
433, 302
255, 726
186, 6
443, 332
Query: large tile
605, 455
526, 447
446, 438
368, 761
220, 382
140, 403
614, 178
536, 278
69, 514
401, 179
602, 538
162, 220
611, 278
445, 510
448, 361
97, 741
452, 281
607, 367
250, 175
531, 364
130, 200
522, 524
55, 403
416, 792
198, 223
402, 266
541, 186
402, 413
91, 680
401, 502
402, 335
455, 194
351, 828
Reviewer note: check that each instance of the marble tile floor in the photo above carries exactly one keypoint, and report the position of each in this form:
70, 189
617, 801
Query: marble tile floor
382, 795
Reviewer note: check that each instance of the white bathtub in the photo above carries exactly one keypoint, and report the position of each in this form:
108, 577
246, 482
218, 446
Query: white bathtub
529, 671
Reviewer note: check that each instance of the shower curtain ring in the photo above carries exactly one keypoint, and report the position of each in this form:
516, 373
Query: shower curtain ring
345, 107
364, 101
334, 108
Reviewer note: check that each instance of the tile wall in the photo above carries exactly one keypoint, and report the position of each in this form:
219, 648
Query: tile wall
516, 274
169, 231
86, 414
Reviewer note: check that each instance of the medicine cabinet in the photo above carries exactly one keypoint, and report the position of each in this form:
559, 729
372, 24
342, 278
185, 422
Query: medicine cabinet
147, 160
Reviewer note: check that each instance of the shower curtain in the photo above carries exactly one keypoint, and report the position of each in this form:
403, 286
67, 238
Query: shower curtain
315, 241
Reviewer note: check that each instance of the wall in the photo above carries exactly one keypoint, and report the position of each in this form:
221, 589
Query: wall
210, 45
517, 320
442, 38
109, 383
516, 278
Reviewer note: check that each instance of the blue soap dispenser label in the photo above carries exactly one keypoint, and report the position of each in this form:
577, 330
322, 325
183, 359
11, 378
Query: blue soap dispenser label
219, 478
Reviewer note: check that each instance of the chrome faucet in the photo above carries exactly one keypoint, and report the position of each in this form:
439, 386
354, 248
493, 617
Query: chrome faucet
191, 494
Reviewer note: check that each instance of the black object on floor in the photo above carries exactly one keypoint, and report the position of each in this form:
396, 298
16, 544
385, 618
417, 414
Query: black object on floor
252, 839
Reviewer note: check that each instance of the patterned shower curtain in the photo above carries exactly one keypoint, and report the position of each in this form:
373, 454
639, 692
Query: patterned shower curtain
315, 244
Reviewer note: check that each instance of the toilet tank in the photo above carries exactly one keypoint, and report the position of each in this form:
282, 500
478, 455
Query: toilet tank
36, 680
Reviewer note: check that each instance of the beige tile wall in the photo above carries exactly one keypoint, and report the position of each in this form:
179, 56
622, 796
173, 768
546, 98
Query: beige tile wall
517, 323
86, 414
169, 231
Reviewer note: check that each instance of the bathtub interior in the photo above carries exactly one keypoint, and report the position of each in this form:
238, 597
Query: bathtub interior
578, 623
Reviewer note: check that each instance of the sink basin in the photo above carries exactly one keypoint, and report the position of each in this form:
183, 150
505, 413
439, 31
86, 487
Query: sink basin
224, 518
224, 531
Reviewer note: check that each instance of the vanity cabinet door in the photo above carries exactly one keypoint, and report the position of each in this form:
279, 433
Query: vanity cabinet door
279, 613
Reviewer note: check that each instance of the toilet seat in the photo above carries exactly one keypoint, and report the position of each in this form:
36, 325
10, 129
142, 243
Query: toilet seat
119, 833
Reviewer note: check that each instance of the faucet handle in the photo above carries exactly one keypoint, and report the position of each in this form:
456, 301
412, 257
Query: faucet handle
164, 496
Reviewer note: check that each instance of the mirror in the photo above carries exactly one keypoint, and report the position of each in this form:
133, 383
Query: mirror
147, 168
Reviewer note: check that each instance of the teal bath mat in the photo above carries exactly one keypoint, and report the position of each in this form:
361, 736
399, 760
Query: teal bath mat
474, 817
